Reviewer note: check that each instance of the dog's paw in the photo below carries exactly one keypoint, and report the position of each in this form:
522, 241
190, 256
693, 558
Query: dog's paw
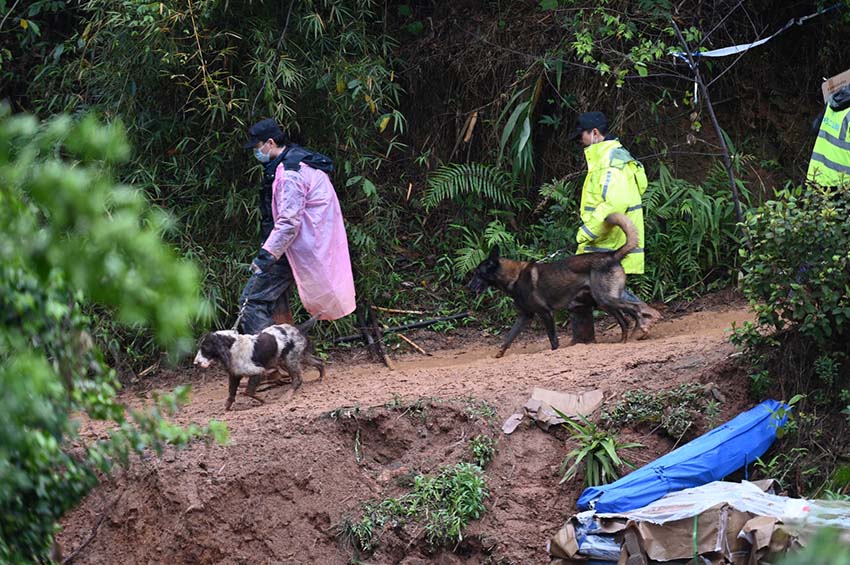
500, 354
256, 398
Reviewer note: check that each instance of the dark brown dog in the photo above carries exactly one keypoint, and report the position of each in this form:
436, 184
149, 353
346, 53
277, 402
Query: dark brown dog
543, 288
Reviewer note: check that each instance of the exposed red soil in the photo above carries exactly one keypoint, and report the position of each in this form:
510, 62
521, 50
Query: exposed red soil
299, 464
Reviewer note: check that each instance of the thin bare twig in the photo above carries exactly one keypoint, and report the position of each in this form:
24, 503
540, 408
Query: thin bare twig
413, 344
720, 23
397, 311
727, 159
9, 13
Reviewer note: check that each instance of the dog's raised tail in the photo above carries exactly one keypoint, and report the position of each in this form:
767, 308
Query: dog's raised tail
308, 325
624, 223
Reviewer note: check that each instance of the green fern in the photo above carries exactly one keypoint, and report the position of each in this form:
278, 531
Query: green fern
476, 246
690, 235
454, 180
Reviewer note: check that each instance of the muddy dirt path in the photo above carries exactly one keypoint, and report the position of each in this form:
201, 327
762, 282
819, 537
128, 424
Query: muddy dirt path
292, 473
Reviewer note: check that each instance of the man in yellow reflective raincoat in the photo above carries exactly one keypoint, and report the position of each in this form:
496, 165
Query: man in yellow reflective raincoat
830, 163
615, 182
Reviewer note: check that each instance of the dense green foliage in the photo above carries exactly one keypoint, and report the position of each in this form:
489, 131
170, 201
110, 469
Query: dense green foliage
827, 547
691, 236
797, 275
70, 237
797, 279
188, 77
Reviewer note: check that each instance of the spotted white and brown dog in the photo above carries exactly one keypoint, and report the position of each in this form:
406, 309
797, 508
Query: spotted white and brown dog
276, 347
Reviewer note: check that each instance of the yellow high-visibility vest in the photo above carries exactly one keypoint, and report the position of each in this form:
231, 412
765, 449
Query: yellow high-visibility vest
830, 163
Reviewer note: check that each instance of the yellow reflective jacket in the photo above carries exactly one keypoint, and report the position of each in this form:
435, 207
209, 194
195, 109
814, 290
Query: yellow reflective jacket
830, 163
615, 182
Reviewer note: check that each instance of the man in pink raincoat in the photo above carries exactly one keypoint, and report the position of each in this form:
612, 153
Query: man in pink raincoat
303, 234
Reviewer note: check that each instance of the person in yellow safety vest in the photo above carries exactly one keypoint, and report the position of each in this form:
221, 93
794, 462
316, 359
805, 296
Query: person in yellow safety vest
830, 162
615, 182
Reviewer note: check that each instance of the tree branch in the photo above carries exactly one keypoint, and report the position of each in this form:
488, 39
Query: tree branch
727, 158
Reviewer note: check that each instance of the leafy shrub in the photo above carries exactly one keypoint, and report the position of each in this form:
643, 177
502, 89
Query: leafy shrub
828, 547
796, 279
597, 451
672, 411
797, 274
71, 237
691, 238
443, 505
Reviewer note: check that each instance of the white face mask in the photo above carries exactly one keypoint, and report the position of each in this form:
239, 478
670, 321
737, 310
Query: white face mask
260, 156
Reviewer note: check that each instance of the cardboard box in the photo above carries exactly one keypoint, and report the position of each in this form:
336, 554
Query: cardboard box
834, 83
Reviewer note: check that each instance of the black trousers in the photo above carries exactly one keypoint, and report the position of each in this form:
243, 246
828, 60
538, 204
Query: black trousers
264, 295
581, 315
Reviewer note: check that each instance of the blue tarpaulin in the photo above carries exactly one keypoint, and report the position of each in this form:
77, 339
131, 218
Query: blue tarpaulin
710, 457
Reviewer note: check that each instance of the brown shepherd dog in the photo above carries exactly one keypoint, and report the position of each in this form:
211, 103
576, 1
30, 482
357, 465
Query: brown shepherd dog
543, 288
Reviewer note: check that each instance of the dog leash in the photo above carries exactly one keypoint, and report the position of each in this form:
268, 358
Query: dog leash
553, 254
241, 313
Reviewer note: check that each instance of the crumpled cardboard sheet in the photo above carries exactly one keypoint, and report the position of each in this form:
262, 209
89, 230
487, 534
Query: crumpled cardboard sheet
716, 538
540, 407
735, 523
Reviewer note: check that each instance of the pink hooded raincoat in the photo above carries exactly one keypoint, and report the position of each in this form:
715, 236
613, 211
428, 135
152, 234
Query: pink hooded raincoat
308, 227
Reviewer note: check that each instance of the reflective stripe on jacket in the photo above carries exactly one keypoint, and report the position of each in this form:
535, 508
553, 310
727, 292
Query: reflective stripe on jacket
830, 163
615, 182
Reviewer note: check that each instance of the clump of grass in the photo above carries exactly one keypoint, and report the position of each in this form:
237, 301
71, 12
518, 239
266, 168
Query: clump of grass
598, 452
476, 408
483, 449
443, 505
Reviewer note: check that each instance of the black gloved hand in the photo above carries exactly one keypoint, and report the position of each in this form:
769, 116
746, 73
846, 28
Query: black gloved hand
262, 262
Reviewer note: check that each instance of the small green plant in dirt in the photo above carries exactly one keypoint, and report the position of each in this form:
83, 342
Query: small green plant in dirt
784, 465
441, 505
483, 449
712, 411
479, 409
783, 419
417, 408
760, 383
673, 411
598, 452
826, 548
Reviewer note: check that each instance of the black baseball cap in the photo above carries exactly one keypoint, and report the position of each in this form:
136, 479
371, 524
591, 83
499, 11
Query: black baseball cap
588, 121
261, 131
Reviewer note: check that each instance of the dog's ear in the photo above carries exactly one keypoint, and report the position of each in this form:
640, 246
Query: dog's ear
494, 253
221, 346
